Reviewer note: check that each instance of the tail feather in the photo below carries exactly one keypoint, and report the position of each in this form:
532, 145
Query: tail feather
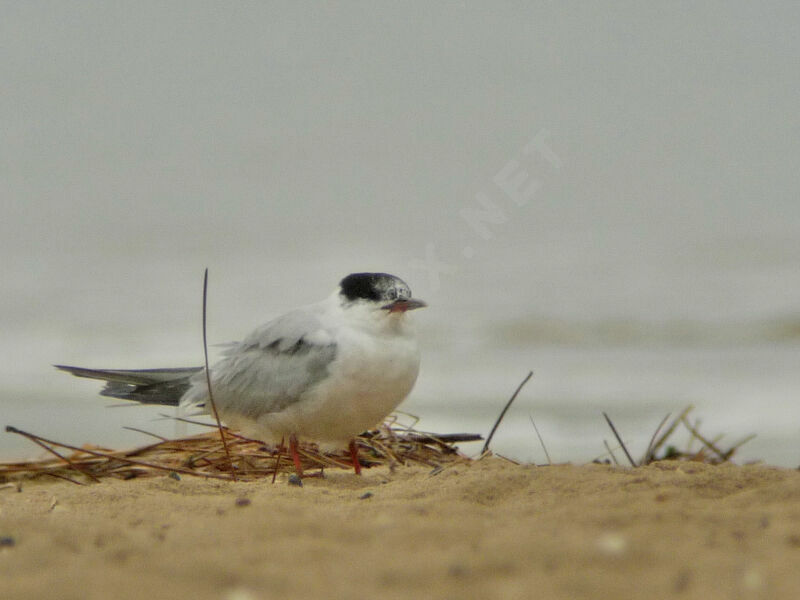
147, 386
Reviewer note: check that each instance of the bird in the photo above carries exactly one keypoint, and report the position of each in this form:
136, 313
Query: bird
324, 372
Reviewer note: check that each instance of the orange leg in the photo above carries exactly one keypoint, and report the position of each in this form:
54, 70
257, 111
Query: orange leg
295, 456
354, 457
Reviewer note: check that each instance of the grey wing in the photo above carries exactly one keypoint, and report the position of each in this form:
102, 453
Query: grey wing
270, 369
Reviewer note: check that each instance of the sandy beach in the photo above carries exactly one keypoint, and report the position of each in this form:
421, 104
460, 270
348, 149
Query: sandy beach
487, 529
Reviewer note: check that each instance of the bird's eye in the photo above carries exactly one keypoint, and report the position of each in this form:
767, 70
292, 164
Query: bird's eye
392, 293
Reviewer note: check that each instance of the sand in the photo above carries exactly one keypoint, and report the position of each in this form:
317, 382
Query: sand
489, 529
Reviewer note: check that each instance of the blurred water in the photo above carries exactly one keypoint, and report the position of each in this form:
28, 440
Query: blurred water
740, 374
649, 261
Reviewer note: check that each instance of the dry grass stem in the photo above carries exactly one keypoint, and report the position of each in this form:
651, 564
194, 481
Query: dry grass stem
619, 439
655, 446
648, 455
504, 411
541, 441
710, 452
610, 452
208, 379
204, 456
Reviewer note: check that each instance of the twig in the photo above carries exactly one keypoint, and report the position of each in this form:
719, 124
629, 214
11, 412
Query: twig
692, 437
738, 445
619, 439
123, 459
610, 452
503, 412
414, 419
208, 378
190, 421
648, 455
155, 435
377, 445
440, 438
277, 461
707, 443
64, 477
40, 442
541, 441
511, 460
669, 430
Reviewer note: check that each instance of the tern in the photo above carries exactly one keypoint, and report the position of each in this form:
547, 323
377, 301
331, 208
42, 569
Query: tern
325, 372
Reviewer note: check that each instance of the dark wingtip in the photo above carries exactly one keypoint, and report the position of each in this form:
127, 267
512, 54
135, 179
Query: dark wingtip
80, 371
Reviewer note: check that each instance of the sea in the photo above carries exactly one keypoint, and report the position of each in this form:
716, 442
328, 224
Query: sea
621, 341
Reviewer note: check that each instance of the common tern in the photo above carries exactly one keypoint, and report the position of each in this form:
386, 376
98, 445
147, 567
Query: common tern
324, 372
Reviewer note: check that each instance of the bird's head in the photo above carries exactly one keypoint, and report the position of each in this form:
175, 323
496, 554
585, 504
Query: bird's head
382, 291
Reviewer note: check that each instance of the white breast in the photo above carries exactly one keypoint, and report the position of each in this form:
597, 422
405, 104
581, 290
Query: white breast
372, 372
